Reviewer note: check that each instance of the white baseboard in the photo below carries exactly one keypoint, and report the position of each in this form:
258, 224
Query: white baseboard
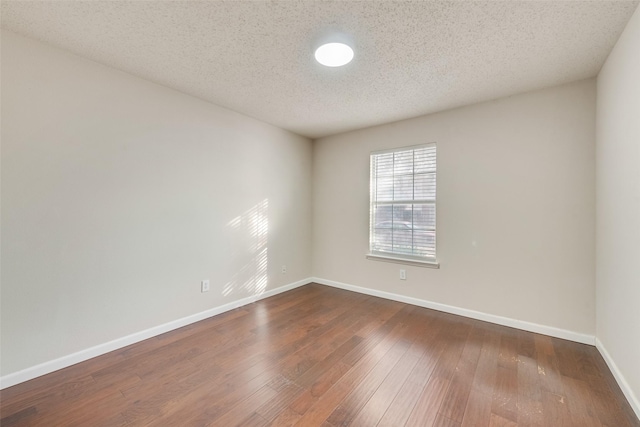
505, 321
622, 382
80, 356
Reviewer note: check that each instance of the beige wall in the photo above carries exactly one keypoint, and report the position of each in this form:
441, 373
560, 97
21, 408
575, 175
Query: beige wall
515, 214
119, 196
618, 208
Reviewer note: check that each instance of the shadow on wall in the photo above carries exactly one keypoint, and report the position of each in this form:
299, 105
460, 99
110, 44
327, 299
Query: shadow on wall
248, 244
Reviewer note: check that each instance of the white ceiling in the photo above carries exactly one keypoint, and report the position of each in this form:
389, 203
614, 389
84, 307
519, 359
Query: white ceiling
412, 57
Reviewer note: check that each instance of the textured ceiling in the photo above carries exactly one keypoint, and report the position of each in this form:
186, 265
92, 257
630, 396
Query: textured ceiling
412, 58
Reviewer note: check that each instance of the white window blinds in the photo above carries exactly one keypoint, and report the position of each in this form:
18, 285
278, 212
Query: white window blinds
403, 203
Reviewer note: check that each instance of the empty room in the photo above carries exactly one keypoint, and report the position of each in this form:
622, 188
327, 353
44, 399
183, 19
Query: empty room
320, 213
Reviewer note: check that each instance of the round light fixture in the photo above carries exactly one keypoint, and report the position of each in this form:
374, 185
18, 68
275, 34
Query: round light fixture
334, 54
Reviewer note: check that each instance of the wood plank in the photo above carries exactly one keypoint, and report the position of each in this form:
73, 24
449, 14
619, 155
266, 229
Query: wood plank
505, 394
442, 421
555, 410
286, 418
241, 412
426, 409
455, 401
407, 397
530, 409
283, 398
373, 390
330, 400
579, 403
373, 410
498, 421
478, 409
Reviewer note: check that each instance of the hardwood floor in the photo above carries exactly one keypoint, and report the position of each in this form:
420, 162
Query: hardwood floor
318, 356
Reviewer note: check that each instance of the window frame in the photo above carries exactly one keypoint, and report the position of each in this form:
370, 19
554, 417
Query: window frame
398, 257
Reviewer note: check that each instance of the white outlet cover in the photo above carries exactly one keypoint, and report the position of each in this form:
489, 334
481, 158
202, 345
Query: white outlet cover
204, 286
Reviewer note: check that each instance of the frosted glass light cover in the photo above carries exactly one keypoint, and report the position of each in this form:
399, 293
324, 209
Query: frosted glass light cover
334, 54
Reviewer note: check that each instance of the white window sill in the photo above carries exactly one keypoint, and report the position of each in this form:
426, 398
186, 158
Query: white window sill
407, 261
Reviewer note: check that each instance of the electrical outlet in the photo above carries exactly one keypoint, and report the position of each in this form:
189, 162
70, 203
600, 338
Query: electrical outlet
403, 274
204, 286
284, 269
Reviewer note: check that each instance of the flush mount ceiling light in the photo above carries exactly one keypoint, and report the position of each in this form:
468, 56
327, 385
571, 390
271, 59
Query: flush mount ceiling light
334, 54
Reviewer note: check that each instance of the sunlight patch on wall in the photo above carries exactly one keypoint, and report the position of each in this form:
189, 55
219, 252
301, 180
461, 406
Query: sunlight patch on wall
249, 251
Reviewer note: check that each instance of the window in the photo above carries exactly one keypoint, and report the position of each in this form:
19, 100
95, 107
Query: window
402, 207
